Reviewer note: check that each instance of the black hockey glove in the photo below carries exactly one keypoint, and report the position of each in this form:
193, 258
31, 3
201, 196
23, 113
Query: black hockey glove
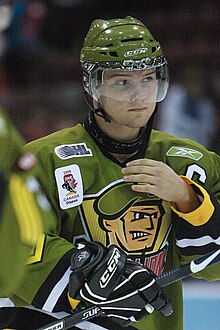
144, 281
125, 290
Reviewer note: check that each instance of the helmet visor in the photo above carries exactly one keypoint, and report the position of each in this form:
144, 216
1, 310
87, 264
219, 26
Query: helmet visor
129, 85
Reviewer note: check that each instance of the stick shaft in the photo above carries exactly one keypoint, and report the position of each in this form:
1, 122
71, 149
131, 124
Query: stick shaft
163, 280
188, 269
70, 321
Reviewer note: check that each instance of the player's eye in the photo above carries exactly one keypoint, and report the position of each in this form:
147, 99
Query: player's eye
122, 83
150, 78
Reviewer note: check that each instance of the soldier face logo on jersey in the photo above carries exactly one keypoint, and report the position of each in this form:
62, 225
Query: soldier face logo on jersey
137, 222
134, 223
136, 229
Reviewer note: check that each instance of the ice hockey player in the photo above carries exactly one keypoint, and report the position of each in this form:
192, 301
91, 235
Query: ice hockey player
140, 201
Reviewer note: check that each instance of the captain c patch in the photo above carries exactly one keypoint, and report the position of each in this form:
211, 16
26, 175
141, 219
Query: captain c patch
69, 185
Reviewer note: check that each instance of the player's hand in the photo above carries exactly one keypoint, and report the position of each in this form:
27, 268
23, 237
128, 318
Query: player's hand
123, 289
156, 177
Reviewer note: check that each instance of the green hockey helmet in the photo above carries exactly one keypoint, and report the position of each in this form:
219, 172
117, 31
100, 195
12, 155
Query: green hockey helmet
121, 44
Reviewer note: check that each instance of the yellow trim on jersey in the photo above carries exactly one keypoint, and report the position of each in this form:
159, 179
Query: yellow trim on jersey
203, 213
26, 211
37, 251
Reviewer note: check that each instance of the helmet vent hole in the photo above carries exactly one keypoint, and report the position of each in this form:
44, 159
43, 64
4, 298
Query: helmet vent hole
131, 39
113, 54
154, 49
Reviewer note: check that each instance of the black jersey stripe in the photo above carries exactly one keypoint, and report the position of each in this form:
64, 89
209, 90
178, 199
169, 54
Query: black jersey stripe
54, 277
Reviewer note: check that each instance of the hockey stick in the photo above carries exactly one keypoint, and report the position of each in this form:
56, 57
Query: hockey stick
163, 280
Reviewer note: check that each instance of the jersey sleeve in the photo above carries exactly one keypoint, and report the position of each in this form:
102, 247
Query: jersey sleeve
45, 280
198, 232
20, 216
45, 283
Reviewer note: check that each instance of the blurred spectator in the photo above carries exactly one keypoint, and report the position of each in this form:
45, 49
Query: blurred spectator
23, 44
5, 20
43, 43
39, 91
188, 111
60, 29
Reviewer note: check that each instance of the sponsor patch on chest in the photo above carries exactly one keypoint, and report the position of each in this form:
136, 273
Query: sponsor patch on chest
69, 185
67, 151
184, 152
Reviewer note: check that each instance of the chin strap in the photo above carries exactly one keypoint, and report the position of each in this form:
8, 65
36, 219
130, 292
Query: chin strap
99, 111
114, 146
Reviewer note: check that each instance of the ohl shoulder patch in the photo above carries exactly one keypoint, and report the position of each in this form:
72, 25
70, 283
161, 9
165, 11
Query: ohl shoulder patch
67, 151
184, 152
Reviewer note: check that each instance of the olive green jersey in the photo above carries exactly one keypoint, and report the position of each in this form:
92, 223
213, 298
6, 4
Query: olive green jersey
86, 188
22, 206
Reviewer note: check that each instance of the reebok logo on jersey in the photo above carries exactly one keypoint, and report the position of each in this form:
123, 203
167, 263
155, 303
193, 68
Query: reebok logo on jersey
184, 152
67, 151
69, 185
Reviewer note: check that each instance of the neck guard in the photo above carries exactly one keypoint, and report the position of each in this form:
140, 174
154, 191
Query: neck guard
114, 146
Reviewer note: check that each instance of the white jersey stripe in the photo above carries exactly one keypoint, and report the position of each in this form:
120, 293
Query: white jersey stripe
6, 302
85, 325
57, 291
202, 241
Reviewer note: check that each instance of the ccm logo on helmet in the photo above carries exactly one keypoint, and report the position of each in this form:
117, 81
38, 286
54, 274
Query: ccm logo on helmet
136, 52
111, 269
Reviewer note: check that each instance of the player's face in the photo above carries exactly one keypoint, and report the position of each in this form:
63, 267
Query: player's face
129, 97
